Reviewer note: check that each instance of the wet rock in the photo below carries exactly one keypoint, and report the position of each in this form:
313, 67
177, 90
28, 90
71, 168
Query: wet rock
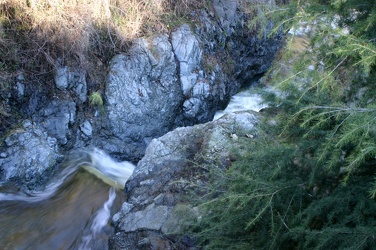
242, 56
191, 107
152, 217
183, 80
77, 82
125, 208
203, 93
86, 129
29, 157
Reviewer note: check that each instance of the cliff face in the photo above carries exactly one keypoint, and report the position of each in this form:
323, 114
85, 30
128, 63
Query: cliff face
181, 78
164, 82
169, 80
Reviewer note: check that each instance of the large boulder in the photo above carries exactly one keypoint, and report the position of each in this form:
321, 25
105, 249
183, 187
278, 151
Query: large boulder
157, 87
172, 165
29, 157
181, 80
142, 94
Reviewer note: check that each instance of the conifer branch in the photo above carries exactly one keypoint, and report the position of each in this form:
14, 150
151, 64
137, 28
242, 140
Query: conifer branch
322, 79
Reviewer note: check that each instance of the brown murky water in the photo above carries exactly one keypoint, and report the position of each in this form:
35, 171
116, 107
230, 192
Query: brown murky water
67, 219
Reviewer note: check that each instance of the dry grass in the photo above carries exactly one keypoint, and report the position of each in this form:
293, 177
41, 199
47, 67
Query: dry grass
77, 27
73, 23
38, 35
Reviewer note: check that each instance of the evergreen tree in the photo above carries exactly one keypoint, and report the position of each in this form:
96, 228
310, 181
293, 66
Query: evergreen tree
307, 183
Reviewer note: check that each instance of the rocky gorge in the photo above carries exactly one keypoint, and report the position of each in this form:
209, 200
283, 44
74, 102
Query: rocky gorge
173, 166
158, 102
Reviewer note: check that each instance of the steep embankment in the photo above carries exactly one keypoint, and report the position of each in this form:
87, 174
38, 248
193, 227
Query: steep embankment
113, 96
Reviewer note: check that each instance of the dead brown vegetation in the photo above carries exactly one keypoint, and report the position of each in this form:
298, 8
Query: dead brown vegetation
47, 30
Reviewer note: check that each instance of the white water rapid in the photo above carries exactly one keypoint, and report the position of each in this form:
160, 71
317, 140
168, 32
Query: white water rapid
72, 212
244, 100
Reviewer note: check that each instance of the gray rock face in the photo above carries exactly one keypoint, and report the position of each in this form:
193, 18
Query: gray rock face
61, 77
183, 80
169, 170
67, 78
56, 118
226, 13
247, 55
86, 129
189, 55
142, 92
201, 91
29, 157
152, 218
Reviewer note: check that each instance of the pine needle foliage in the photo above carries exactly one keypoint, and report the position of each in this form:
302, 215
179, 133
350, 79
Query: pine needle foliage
308, 181
328, 90
251, 200
342, 220
278, 197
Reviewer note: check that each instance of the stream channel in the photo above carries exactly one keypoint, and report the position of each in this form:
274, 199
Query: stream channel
74, 211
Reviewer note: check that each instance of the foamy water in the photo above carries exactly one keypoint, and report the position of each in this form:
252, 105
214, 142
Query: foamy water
242, 101
112, 172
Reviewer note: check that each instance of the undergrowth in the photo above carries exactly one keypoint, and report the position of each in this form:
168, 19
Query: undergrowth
36, 35
308, 181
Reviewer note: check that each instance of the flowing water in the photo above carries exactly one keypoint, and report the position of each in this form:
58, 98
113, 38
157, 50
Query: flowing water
244, 100
73, 212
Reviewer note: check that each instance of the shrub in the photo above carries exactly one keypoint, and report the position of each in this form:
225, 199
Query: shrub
95, 99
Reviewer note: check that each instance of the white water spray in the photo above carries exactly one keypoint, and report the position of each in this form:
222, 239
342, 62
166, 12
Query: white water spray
244, 100
100, 164
112, 172
50, 189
